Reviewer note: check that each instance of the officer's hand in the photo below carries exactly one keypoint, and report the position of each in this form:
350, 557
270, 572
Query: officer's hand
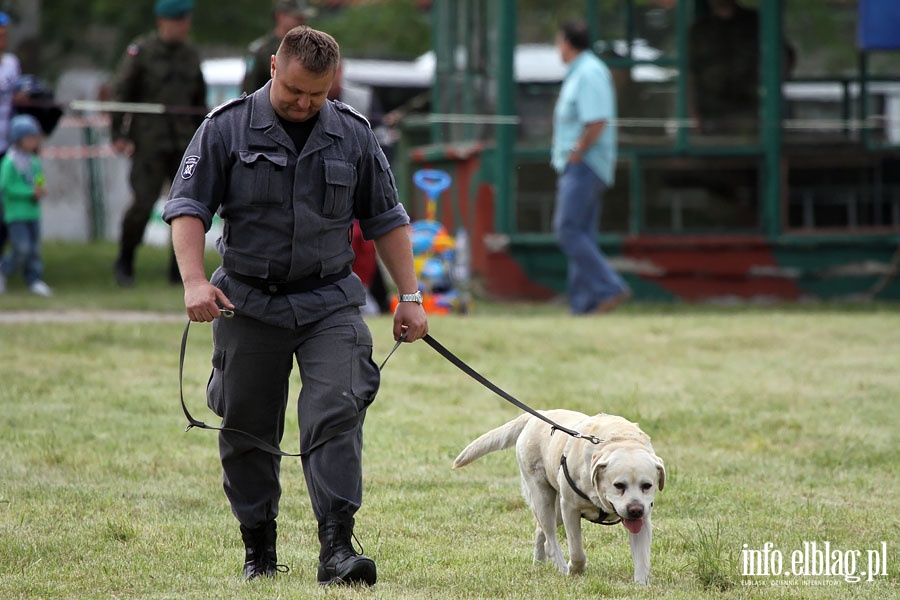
203, 301
409, 317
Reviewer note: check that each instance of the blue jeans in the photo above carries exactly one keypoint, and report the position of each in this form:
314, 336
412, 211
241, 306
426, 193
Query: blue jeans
25, 243
576, 221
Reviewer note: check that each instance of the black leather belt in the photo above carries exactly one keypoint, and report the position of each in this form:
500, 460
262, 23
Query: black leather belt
279, 288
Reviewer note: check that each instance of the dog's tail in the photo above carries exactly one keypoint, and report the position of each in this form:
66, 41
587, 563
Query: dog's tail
496, 439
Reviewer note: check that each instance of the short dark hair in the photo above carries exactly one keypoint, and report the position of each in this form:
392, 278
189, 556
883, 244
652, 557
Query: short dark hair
317, 51
576, 33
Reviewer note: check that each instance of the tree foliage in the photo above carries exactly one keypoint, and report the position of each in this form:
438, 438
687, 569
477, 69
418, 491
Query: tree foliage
96, 32
388, 29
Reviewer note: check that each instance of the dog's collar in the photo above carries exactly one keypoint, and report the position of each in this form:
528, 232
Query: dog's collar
604, 517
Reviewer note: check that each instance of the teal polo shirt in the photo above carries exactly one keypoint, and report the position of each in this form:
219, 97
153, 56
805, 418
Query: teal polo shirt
587, 95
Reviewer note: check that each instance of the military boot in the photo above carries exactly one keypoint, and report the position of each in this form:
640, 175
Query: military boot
260, 559
123, 269
339, 563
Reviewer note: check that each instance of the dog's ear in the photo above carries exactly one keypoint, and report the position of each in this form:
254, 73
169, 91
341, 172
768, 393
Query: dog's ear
661, 471
598, 466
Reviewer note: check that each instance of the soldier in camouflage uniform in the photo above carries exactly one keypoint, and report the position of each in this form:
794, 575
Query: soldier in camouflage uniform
158, 67
288, 14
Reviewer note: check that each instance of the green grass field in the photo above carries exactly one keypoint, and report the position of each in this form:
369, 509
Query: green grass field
777, 425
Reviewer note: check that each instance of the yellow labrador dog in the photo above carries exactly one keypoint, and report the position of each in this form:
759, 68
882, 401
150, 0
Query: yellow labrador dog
565, 479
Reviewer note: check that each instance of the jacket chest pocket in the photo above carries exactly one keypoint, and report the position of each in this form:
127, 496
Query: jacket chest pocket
262, 177
340, 178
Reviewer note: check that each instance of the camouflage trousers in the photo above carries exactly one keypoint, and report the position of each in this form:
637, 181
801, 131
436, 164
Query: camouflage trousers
150, 171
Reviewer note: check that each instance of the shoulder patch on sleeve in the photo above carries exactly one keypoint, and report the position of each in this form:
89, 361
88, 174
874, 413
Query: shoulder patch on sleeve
227, 104
349, 109
133, 49
188, 165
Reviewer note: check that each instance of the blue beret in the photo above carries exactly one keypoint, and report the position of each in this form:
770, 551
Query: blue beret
297, 8
173, 8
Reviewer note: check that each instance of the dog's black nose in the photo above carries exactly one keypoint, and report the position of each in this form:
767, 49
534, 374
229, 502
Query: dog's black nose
635, 512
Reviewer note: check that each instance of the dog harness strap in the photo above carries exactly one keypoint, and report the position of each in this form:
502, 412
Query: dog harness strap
569, 479
462, 366
603, 516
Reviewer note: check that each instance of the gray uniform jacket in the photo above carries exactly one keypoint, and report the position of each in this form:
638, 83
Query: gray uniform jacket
286, 216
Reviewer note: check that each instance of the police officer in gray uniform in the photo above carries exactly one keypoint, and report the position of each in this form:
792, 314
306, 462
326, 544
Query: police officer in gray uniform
288, 171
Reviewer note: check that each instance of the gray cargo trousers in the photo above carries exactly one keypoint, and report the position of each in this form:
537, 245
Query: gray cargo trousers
248, 388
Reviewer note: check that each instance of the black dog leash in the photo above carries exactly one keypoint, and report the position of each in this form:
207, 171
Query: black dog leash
192, 422
458, 362
462, 366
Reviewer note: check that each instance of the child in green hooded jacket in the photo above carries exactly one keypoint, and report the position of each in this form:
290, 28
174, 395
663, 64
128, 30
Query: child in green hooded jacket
21, 188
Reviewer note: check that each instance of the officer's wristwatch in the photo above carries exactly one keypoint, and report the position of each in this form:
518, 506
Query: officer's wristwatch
417, 297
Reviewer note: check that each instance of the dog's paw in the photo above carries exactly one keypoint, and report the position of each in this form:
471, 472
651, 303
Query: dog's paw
562, 568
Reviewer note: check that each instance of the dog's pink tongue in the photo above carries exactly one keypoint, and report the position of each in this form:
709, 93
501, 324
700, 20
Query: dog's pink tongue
633, 525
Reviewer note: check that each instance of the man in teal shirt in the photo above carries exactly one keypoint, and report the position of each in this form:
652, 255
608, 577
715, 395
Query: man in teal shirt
584, 156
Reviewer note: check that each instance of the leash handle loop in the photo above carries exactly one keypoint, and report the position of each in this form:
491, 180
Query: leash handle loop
394, 349
192, 422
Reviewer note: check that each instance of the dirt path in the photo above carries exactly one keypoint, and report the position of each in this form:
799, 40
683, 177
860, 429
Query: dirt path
88, 316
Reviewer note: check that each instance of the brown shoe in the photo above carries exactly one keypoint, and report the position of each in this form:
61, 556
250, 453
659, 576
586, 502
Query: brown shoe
607, 306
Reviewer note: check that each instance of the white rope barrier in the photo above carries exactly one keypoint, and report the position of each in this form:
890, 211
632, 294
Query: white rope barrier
152, 108
94, 114
669, 123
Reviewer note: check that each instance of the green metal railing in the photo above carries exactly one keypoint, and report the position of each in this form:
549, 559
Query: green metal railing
766, 152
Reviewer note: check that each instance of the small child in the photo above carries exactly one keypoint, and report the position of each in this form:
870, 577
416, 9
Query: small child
21, 187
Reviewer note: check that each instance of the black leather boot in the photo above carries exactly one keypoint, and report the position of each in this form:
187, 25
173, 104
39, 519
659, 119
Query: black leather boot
123, 269
260, 559
339, 563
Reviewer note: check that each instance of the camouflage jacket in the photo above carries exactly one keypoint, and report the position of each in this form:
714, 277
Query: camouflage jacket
259, 55
158, 72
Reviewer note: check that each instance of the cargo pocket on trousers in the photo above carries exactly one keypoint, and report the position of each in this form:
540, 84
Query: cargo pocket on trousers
366, 377
215, 388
